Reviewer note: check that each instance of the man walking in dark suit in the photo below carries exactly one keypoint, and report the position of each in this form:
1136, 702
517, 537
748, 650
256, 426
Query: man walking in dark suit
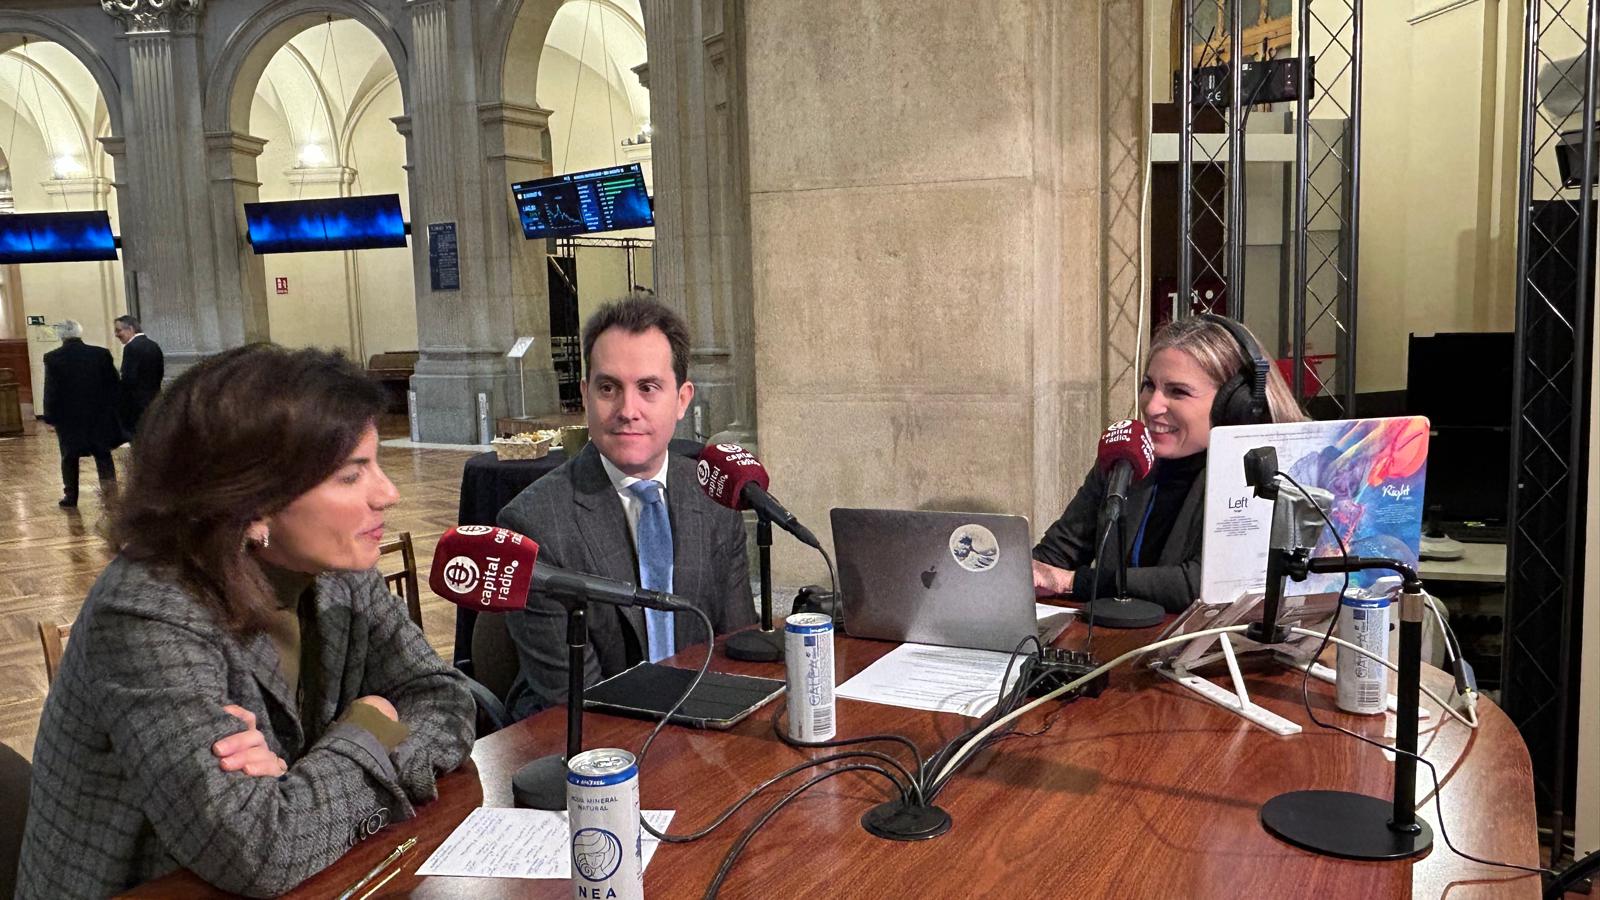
626, 509
80, 400
142, 369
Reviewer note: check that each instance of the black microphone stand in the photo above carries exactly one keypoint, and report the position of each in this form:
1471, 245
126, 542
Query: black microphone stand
1343, 823
542, 784
765, 644
1119, 611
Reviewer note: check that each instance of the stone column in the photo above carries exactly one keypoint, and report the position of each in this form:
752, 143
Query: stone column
928, 262
515, 140
170, 262
464, 334
702, 232
231, 163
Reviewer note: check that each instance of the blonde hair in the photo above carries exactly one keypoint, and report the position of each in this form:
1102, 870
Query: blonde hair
1219, 355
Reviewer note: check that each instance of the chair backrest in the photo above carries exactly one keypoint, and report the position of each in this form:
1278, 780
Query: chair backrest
53, 638
14, 776
402, 578
494, 656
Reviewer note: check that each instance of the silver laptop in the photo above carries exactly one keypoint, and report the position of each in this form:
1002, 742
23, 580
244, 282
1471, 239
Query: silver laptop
949, 578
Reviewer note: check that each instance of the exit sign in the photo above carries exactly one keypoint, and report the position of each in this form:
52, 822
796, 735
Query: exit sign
281, 284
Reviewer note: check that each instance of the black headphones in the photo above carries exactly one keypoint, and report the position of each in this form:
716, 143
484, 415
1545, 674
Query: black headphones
1242, 399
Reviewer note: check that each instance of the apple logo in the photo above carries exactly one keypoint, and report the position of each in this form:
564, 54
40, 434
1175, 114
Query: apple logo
928, 576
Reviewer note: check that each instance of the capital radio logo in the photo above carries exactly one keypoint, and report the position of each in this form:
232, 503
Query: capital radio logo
473, 530
730, 448
461, 575
1119, 431
702, 471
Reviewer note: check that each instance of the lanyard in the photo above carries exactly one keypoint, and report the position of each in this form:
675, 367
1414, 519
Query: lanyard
1138, 539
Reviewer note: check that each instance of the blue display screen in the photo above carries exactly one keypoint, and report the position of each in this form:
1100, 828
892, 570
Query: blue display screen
335, 223
56, 237
582, 202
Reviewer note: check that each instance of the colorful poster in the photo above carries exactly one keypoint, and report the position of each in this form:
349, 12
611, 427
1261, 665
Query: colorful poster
1375, 469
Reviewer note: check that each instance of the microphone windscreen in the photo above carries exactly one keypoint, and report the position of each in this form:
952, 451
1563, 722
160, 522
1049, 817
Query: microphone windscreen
484, 568
725, 469
1126, 440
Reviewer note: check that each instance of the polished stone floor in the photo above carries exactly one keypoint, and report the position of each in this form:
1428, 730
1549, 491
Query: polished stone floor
49, 556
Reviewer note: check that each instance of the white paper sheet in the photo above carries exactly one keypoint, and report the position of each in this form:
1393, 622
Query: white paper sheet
940, 679
1056, 618
519, 843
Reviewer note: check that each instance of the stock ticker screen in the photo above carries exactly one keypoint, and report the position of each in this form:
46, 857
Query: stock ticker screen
334, 223
56, 237
583, 202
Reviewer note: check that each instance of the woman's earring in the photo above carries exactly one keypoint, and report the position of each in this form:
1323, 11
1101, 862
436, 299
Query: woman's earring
266, 538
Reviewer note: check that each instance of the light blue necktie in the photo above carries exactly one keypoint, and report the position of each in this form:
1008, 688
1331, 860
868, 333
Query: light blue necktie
655, 565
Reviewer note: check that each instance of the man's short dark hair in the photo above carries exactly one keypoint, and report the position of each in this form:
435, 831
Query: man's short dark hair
637, 314
131, 322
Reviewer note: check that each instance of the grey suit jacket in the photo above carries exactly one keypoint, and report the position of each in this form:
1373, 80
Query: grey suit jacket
1174, 582
125, 786
576, 517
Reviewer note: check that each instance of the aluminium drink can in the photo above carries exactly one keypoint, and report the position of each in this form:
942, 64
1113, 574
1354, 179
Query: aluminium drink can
603, 819
1362, 685
808, 655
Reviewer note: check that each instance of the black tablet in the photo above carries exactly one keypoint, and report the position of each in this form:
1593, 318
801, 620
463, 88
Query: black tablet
648, 690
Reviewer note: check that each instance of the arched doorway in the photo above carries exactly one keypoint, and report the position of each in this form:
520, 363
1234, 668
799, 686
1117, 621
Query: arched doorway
52, 115
323, 106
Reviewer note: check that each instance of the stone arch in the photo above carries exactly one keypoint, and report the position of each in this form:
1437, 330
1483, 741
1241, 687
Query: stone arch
523, 25
251, 46
33, 25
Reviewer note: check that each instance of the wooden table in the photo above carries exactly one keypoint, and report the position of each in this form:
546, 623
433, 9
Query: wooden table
1145, 791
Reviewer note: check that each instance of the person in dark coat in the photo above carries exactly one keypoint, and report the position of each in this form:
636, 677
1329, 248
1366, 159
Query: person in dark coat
80, 401
142, 369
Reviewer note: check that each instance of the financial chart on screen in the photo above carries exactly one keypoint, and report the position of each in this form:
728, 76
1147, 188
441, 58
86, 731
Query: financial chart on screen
583, 202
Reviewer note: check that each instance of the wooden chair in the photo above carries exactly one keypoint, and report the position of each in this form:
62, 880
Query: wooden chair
402, 581
53, 638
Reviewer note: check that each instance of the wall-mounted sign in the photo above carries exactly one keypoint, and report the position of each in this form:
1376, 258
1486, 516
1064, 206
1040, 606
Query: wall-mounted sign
281, 284
36, 320
444, 263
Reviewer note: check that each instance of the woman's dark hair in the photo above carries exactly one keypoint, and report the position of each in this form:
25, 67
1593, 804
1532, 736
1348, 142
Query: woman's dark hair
236, 438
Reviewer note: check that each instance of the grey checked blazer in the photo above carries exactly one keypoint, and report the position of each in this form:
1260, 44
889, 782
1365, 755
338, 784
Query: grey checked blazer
125, 786
576, 517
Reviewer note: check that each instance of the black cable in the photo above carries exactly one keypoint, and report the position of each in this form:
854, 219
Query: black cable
916, 753
744, 839
1305, 698
1005, 703
667, 837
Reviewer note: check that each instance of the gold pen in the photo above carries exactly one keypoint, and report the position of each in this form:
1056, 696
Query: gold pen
398, 852
379, 886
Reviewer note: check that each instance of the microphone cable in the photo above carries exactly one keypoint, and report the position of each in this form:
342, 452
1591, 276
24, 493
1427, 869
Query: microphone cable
705, 665
1433, 772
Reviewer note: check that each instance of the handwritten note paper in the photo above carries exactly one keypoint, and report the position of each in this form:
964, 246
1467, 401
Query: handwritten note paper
519, 843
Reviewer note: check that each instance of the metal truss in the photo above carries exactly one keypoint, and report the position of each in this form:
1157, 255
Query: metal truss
1321, 288
1555, 252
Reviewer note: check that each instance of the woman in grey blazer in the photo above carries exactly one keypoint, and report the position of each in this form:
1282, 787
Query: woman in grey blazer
1201, 374
241, 695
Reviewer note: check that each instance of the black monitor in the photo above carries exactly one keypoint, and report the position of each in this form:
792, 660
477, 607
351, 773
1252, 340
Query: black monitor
1463, 382
56, 237
333, 223
583, 202
1461, 378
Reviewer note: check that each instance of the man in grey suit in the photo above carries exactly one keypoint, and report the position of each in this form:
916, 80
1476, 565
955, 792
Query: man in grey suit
624, 508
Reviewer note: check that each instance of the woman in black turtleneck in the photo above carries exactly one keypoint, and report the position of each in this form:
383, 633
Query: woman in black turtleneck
1199, 375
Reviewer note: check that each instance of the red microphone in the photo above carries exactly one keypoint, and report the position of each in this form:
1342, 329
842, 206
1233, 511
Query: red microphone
1125, 456
483, 568
491, 569
733, 477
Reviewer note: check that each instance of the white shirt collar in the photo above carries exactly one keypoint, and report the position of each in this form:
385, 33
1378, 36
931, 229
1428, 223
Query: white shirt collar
622, 482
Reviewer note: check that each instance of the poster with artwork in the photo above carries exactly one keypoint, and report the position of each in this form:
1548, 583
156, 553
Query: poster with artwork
1375, 469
